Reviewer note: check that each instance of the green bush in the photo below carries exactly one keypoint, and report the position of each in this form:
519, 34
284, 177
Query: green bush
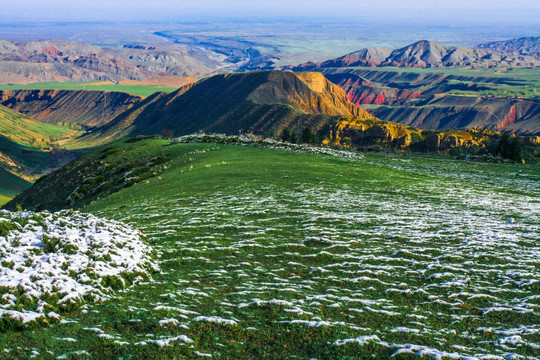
50, 244
6, 227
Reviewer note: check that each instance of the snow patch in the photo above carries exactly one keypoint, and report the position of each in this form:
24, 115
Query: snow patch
53, 262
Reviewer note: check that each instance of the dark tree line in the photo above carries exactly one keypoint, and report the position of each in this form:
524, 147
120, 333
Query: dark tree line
509, 149
307, 136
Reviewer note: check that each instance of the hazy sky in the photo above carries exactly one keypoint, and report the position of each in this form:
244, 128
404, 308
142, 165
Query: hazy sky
445, 11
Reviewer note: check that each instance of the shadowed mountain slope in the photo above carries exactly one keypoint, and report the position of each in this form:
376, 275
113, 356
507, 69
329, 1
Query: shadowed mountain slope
460, 112
259, 102
11, 185
83, 107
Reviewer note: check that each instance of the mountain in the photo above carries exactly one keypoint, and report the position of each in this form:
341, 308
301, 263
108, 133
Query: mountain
64, 60
263, 103
444, 99
82, 107
461, 112
171, 59
528, 46
424, 54
61, 60
366, 57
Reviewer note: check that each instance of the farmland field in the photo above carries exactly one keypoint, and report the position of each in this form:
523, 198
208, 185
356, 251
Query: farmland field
141, 90
267, 253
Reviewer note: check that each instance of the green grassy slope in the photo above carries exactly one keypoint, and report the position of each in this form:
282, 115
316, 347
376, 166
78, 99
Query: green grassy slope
11, 186
26, 131
21, 156
20, 164
274, 254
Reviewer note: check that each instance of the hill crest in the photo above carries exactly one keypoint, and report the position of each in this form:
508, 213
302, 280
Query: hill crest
263, 103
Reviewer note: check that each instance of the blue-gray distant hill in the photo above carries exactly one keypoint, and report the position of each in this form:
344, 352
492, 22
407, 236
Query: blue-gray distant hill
424, 54
528, 46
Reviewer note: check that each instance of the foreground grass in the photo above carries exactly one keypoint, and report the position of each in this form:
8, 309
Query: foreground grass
274, 254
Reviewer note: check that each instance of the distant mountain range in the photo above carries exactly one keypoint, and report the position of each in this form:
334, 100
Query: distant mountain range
448, 98
527, 46
63, 60
439, 99
423, 54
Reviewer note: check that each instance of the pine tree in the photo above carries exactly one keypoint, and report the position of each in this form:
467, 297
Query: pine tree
293, 139
509, 149
515, 150
503, 148
307, 136
286, 135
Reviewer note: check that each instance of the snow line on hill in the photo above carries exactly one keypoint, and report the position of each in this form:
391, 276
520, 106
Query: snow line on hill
245, 140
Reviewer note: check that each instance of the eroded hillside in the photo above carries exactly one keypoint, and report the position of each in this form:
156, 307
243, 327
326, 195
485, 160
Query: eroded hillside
88, 108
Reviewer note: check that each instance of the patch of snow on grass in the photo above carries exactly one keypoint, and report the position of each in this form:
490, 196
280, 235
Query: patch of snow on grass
422, 351
177, 340
54, 262
215, 319
361, 340
270, 143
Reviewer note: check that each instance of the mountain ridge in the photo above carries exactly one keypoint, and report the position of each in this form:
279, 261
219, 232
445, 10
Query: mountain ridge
423, 54
263, 103
31, 61
529, 46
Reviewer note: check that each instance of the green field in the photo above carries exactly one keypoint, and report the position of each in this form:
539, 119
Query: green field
276, 254
140, 90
